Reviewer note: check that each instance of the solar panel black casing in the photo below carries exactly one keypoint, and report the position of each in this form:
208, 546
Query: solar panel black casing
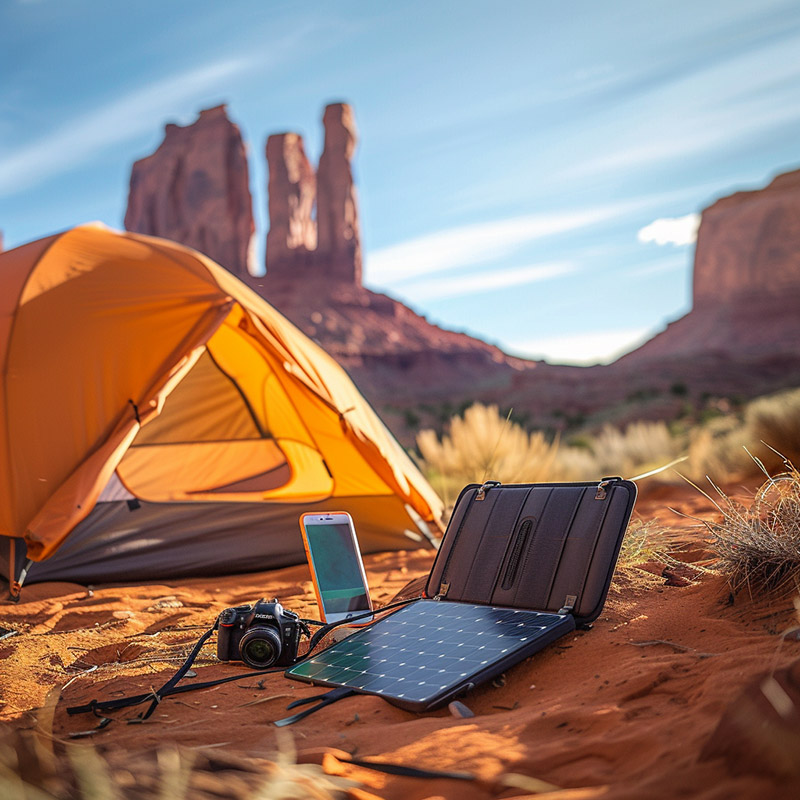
429, 652
543, 551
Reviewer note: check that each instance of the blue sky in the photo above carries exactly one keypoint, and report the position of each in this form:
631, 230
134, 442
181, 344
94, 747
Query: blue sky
528, 171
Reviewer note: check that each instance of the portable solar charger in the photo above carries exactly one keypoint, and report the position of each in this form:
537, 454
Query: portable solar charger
519, 567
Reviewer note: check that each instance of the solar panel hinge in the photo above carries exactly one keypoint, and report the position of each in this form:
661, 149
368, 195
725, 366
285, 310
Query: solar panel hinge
602, 488
481, 495
569, 604
444, 588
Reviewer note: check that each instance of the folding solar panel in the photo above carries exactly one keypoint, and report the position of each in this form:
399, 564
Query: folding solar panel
519, 566
428, 652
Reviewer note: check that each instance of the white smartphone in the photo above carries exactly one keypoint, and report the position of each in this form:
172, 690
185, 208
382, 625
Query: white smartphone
337, 571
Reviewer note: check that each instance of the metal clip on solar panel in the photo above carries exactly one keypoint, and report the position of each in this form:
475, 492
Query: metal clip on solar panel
569, 604
485, 488
444, 588
602, 487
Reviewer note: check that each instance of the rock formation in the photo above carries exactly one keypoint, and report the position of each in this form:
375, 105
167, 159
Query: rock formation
195, 190
746, 287
292, 236
741, 338
326, 248
338, 235
748, 245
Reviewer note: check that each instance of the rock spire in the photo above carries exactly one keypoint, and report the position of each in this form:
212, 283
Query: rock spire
338, 234
327, 247
292, 190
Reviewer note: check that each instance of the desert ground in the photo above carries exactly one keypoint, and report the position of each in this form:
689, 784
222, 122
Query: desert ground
627, 709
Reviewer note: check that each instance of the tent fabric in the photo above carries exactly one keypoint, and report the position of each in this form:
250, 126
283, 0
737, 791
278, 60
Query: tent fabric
134, 360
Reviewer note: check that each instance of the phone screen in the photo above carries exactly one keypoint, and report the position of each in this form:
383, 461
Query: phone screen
337, 565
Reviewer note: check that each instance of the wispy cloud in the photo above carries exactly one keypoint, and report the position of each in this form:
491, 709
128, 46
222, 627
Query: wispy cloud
121, 120
486, 281
678, 231
717, 105
589, 347
468, 245
674, 264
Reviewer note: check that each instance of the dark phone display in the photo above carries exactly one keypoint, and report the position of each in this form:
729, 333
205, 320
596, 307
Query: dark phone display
336, 563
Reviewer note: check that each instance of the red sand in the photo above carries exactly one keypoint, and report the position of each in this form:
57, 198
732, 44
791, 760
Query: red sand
621, 711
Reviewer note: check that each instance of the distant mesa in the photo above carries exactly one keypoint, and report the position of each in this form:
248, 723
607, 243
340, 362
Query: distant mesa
195, 189
746, 283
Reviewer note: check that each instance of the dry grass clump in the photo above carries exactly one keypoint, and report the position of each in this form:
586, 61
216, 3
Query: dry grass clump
645, 542
759, 547
642, 446
776, 419
575, 464
720, 447
639, 448
29, 771
483, 445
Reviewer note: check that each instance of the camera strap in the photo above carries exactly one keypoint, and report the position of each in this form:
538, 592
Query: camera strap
170, 687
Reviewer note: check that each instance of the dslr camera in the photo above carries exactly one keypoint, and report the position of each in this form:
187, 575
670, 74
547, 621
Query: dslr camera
262, 635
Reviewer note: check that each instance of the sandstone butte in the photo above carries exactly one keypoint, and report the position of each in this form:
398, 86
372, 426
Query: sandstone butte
742, 336
746, 287
195, 190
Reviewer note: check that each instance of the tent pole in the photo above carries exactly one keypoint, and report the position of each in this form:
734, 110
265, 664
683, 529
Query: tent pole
14, 582
13, 586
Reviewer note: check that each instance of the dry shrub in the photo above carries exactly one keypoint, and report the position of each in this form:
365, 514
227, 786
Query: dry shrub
29, 772
775, 420
641, 447
575, 464
718, 448
644, 542
483, 445
759, 546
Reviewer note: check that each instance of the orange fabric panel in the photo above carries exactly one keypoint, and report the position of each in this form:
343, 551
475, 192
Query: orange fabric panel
199, 471
258, 375
297, 358
205, 406
109, 331
185, 471
15, 267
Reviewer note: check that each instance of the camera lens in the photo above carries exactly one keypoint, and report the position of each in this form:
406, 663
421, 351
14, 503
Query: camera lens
260, 647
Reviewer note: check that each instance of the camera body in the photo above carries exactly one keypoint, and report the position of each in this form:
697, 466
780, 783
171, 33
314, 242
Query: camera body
261, 635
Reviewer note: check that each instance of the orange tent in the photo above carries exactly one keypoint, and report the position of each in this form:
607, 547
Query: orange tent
158, 418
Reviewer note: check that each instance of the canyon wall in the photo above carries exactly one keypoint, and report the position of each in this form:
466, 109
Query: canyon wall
195, 190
